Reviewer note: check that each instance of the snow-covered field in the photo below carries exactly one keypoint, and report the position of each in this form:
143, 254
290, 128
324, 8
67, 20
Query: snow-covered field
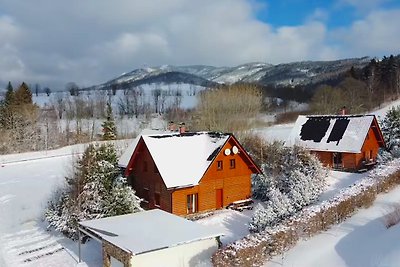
24, 189
188, 91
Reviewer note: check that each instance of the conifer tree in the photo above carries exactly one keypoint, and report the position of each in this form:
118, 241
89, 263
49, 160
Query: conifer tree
95, 190
9, 98
390, 126
23, 95
109, 128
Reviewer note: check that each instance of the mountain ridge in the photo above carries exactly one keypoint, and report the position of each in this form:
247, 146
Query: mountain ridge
293, 73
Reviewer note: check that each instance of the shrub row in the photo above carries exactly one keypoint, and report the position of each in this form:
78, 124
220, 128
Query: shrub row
255, 249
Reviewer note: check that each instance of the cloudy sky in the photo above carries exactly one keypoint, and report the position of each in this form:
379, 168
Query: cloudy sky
53, 42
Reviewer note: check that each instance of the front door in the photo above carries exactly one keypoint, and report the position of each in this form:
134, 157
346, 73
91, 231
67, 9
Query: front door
219, 199
337, 160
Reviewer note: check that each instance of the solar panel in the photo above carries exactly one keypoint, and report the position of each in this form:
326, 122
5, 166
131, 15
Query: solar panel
339, 128
314, 129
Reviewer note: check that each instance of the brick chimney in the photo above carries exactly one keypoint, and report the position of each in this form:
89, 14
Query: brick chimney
343, 111
172, 127
182, 128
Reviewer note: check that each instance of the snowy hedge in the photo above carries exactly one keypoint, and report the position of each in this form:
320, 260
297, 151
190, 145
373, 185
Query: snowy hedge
256, 248
93, 191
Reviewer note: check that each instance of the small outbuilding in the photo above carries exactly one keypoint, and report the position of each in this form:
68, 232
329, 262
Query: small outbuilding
153, 238
344, 142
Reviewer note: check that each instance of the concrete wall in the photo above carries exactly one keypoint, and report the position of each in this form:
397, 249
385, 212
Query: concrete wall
183, 255
111, 251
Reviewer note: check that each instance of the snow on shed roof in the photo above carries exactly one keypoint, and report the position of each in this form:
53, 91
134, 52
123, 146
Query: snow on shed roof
341, 133
149, 230
182, 159
126, 156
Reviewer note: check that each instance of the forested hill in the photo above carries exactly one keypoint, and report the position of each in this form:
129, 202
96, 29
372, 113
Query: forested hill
288, 74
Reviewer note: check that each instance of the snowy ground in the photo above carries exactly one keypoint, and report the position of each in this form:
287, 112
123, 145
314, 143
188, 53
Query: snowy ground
188, 91
279, 132
26, 182
235, 224
360, 241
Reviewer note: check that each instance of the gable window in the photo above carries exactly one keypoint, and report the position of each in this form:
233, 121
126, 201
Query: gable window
219, 165
232, 164
144, 166
191, 203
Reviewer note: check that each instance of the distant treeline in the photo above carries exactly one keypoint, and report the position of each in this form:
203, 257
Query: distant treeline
359, 89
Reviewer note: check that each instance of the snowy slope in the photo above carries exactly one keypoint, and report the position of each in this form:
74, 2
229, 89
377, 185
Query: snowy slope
380, 113
362, 240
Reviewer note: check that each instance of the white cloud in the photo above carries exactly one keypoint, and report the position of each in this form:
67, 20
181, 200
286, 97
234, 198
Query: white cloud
92, 41
11, 66
377, 34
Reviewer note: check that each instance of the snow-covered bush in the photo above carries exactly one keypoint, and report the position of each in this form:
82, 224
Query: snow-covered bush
263, 216
292, 179
390, 126
384, 156
95, 190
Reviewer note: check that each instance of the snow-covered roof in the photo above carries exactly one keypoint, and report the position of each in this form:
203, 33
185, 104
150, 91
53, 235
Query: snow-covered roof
149, 230
182, 159
341, 133
126, 156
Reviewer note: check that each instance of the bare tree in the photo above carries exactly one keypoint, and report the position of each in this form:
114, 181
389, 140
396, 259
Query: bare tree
59, 103
163, 99
229, 108
156, 94
100, 103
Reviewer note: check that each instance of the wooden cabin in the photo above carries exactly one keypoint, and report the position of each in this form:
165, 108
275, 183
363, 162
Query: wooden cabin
185, 173
344, 142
